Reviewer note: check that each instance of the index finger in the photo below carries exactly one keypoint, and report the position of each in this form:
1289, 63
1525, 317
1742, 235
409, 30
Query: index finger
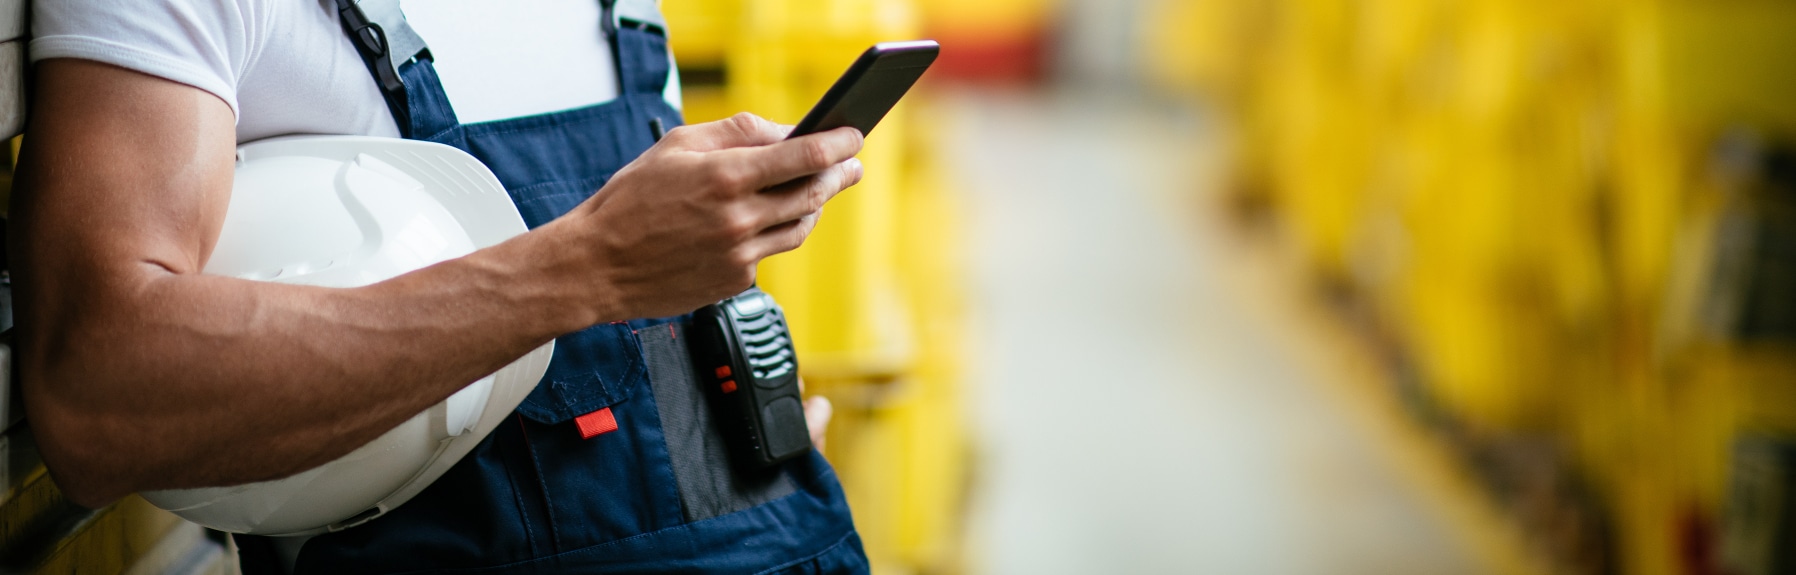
788, 160
743, 129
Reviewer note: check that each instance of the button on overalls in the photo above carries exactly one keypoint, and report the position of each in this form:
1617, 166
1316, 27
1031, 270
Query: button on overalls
655, 495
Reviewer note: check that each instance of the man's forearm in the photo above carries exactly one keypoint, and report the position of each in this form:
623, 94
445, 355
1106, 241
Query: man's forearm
144, 369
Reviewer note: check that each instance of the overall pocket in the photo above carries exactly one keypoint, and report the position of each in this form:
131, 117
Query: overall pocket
592, 369
599, 487
710, 485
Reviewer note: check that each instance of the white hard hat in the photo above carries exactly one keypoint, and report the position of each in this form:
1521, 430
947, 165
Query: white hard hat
346, 211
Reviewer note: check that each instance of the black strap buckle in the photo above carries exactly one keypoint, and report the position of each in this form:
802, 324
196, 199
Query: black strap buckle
375, 45
608, 18
641, 15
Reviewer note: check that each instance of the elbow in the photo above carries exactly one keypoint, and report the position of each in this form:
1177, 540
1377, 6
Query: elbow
78, 443
86, 490
85, 470
83, 389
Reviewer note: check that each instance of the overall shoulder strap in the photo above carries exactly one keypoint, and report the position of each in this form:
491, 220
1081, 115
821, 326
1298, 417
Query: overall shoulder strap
638, 34
378, 29
386, 42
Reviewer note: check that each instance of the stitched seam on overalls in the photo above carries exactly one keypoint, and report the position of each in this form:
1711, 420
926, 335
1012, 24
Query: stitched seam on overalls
517, 495
679, 490
536, 128
566, 403
815, 481
540, 122
692, 525
813, 557
439, 134
598, 547
548, 506
583, 182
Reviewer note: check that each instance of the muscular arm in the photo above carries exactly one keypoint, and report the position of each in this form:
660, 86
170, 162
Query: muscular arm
141, 373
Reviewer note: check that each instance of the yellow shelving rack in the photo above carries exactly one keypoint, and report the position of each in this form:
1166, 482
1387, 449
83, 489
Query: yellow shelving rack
1533, 197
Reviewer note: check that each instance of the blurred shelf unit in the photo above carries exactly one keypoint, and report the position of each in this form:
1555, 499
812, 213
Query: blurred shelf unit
1572, 223
991, 40
873, 297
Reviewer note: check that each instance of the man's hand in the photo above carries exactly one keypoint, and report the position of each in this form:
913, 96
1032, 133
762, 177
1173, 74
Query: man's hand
685, 224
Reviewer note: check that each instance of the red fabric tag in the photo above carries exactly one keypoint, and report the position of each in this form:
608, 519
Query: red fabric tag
595, 423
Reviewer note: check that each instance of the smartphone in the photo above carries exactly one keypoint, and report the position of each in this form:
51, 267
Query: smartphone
869, 89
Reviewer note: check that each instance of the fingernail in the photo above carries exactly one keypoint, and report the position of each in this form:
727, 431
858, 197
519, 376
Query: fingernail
855, 165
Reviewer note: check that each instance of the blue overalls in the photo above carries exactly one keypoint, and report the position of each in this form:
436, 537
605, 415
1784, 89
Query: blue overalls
656, 495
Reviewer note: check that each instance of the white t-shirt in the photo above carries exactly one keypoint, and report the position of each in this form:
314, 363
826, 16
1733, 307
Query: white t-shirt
285, 66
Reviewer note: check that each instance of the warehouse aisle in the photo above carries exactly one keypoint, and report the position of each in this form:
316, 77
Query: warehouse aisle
1134, 415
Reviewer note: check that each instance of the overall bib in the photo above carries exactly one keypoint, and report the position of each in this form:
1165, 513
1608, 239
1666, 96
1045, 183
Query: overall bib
657, 494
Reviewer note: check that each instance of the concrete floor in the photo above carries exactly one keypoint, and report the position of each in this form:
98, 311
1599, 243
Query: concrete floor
1135, 415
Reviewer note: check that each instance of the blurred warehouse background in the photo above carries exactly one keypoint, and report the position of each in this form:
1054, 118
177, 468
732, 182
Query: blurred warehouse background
1564, 227
1302, 286
1264, 287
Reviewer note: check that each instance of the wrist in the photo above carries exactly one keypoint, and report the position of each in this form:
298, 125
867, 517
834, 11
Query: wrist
563, 269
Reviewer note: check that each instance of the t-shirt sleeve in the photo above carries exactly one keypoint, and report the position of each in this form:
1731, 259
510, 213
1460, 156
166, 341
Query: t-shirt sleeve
201, 43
